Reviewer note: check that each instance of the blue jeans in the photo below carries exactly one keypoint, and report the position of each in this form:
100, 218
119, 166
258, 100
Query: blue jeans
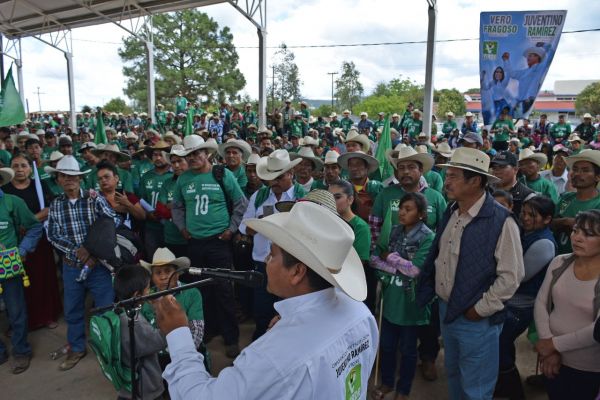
99, 283
393, 335
471, 356
517, 321
14, 299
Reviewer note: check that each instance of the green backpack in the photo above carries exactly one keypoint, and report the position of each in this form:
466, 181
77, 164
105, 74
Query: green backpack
105, 341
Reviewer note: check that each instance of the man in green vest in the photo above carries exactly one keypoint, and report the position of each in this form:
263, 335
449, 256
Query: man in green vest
161, 117
395, 124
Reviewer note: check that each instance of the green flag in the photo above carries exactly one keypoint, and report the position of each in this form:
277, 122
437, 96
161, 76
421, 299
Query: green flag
11, 106
189, 124
100, 136
385, 143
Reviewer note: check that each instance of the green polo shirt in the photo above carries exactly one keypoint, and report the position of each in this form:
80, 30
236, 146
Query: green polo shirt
434, 180
568, 207
542, 187
362, 237
502, 135
190, 301
125, 180
11, 222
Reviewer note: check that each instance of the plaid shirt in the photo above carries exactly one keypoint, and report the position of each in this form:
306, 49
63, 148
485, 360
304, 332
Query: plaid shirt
68, 223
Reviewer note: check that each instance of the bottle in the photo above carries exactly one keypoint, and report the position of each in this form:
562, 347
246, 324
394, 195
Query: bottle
83, 274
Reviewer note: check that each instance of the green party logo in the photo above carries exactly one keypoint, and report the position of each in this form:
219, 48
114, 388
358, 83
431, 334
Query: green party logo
353, 383
490, 49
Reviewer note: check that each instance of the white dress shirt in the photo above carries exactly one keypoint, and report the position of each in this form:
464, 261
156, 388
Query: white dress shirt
560, 182
323, 347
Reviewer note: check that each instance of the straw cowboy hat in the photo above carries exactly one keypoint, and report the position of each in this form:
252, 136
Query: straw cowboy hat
172, 136
587, 116
67, 165
241, 145
306, 153
589, 155
575, 138
346, 112
253, 159
372, 162
331, 157
275, 164
406, 153
471, 160
132, 136
449, 114
363, 140
161, 145
6, 175
528, 154
55, 156
111, 148
163, 256
194, 142
318, 196
444, 149
320, 240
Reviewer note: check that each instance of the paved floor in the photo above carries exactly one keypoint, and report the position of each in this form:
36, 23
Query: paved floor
43, 381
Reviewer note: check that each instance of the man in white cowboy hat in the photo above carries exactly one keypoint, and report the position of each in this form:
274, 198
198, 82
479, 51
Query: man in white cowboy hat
441, 153
325, 341
576, 143
380, 122
586, 128
69, 220
331, 171
395, 122
304, 112
208, 205
309, 164
529, 78
297, 125
249, 116
414, 126
277, 170
365, 125
235, 152
357, 142
530, 164
584, 172
15, 215
334, 122
113, 154
346, 122
558, 175
469, 125
449, 124
359, 165
475, 264
54, 187
287, 115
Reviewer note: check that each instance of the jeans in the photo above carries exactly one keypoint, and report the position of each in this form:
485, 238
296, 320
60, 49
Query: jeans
393, 335
99, 283
263, 304
517, 321
471, 356
219, 304
429, 342
571, 383
14, 299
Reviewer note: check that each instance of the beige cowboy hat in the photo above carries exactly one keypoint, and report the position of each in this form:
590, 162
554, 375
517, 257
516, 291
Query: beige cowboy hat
444, 149
6, 175
449, 114
471, 160
406, 153
163, 256
576, 138
111, 148
238, 144
253, 159
332, 115
194, 142
528, 154
171, 135
160, 145
372, 162
310, 141
346, 112
468, 114
589, 155
320, 240
55, 156
363, 140
319, 196
587, 115
417, 111
275, 164
306, 153
331, 157
67, 165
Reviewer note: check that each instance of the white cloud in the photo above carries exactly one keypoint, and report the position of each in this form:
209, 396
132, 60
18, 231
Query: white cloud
98, 68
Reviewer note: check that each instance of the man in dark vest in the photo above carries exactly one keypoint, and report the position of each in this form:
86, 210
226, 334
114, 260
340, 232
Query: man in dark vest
474, 266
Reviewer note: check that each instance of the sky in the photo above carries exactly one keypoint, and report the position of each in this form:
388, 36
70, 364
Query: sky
98, 67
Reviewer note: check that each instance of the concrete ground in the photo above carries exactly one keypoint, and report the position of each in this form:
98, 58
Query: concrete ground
43, 380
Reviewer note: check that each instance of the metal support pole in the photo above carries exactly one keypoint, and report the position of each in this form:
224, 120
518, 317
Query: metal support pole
19, 63
262, 78
150, 79
332, 75
72, 118
428, 100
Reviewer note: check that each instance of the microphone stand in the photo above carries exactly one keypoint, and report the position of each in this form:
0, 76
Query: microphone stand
131, 307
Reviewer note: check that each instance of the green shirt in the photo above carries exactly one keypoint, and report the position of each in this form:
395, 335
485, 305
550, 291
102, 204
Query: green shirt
543, 187
362, 237
55, 188
190, 300
335, 124
568, 207
414, 127
346, 123
240, 176
171, 234
434, 180
560, 131
206, 211
378, 124
11, 222
448, 126
150, 186
502, 135
180, 104
125, 180
138, 169
297, 127
249, 117
5, 158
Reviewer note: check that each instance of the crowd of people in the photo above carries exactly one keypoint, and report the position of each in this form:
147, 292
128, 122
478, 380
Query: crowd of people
479, 236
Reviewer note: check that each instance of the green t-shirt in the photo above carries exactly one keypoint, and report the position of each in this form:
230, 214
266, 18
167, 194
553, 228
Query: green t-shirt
55, 188
434, 180
346, 123
180, 104
449, 126
502, 135
11, 222
335, 124
414, 127
206, 211
5, 158
560, 131
138, 169
378, 124
362, 237
543, 187
568, 207
190, 300
48, 150
240, 176
249, 118
150, 186
171, 234
297, 127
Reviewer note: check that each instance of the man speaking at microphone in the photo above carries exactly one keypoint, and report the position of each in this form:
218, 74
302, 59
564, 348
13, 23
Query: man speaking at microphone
325, 343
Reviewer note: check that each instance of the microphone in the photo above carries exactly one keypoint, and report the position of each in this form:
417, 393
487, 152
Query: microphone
252, 279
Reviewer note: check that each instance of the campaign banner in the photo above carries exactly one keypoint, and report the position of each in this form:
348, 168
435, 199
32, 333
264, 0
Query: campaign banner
516, 49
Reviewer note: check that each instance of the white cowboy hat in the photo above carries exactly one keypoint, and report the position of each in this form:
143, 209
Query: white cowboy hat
372, 162
111, 148
241, 145
163, 256
306, 153
171, 135
587, 115
67, 165
320, 240
131, 135
346, 112
449, 114
194, 142
310, 141
471, 160
468, 114
540, 51
364, 114
528, 154
43, 132
575, 138
275, 164
55, 156
6, 175
363, 140
332, 115
331, 157
407, 153
253, 159
589, 155
175, 149
417, 111
160, 145
87, 145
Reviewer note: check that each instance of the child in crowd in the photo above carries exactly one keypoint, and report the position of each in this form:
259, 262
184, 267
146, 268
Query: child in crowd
399, 266
504, 198
132, 281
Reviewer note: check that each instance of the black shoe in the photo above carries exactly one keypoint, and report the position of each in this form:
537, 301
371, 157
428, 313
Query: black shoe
3, 358
509, 385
